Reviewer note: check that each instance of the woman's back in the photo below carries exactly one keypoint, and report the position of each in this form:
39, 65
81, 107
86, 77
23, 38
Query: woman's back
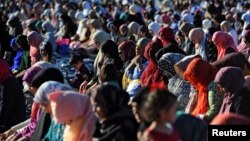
12, 104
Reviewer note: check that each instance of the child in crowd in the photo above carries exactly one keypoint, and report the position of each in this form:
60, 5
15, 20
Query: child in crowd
160, 109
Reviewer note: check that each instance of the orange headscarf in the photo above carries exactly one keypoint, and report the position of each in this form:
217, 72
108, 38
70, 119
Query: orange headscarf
223, 42
200, 73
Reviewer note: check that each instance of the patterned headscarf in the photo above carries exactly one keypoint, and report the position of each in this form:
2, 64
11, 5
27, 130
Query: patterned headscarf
167, 62
47, 88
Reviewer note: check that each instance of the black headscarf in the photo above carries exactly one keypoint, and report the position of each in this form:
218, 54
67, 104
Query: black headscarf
171, 48
109, 47
49, 74
23, 42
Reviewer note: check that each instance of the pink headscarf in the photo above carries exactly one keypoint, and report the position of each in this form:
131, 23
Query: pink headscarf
34, 39
76, 111
223, 41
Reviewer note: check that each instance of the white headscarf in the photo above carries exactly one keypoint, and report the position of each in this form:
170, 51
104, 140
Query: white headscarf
47, 88
154, 27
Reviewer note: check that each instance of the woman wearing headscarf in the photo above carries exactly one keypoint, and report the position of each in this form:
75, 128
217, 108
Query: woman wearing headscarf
134, 15
27, 79
110, 51
126, 52
227, 27
18, 57
34, 39
209, 99
176, 85
49, 34
12, 101
151, 74
22, 43
132, 74
68, 26
171, 48
115, 119
55, 130
75, 111
167, 36
188, 46
236, 95
108, 74
133, 28
154, 28
230, 119
224, 43
94, 26
181, 66
15, 26
236, 59
197, 36
99, 38
49, 74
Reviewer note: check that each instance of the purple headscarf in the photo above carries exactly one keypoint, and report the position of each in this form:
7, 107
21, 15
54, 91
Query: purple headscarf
30, 73
232, 79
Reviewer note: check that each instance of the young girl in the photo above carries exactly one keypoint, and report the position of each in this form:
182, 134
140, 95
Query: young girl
160, 109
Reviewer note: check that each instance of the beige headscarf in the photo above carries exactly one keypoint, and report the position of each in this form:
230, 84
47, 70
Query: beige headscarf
196, 34
100, 37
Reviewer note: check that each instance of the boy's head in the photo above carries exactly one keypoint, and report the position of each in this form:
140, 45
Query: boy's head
46, 51
160, 105
76, 62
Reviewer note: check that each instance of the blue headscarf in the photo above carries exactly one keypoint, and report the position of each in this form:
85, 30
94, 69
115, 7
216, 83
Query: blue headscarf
18, 58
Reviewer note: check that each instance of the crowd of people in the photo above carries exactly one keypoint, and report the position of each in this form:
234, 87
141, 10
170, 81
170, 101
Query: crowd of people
157, 70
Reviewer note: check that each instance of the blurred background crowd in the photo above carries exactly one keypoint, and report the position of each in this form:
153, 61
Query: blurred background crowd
122, 70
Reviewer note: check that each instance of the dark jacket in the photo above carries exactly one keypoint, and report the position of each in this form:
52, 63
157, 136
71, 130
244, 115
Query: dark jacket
119, 127
241, 104
12, 104
211, 51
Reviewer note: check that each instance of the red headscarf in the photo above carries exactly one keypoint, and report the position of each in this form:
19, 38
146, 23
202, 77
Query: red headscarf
151, 73
200, 73
223, 41
166, 35
4, 71
128, 48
